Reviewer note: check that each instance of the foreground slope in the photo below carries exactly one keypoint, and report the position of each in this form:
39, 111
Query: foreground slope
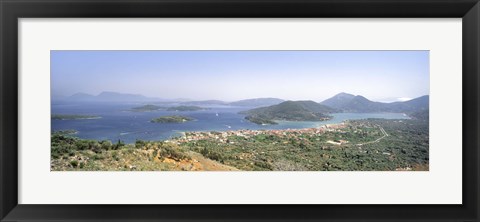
70, 153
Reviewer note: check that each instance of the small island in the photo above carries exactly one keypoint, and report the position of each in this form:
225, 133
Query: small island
185, 108
146, 108
171, 119
73, 117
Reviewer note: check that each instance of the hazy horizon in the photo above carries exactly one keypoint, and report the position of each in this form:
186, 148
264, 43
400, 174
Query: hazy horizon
383, 76
387, 100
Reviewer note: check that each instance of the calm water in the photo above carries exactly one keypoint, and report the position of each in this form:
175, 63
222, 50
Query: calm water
118, 123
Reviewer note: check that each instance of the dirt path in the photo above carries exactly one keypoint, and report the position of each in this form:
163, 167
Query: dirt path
385, 134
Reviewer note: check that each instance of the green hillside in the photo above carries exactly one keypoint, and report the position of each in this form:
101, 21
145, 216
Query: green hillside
289, 111
171, 119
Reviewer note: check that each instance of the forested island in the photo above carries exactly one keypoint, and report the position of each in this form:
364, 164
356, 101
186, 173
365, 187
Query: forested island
171, 119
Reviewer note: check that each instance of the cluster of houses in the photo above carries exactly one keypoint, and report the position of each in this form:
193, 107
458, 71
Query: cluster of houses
222, 137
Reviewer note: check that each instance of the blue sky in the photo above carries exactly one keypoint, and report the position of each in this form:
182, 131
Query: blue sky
234, 75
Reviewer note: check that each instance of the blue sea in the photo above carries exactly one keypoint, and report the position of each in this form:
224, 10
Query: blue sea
118, 123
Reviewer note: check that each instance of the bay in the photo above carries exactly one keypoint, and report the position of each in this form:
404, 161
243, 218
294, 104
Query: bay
117, 122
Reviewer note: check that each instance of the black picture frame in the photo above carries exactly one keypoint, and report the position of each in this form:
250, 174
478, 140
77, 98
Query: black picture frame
12, 10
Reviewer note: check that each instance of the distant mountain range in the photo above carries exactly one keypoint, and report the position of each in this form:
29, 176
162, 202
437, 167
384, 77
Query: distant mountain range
342, 102
290, 111
259, 102
359, 104
205, 102
115, 97
110, 97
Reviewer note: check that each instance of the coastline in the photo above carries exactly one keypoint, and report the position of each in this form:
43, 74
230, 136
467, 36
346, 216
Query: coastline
188, 136
170, 131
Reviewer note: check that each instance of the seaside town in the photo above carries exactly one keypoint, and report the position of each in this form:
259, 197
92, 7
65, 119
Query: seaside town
222, 137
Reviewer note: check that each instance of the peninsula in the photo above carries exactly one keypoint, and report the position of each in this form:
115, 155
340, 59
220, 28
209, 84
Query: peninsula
289, 111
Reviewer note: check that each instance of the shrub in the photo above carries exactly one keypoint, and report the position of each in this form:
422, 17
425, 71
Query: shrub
98, 157
115, 156
74, 163
118, 145
173, 153
95, 146
264, 165
211, 154
106, 145
140, 144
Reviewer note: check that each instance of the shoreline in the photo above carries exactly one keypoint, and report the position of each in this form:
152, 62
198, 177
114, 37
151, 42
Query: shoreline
290, 126
241, 132
199, 135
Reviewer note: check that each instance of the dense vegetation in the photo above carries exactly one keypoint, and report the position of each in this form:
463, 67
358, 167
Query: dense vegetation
171, 119
65, 145
290, 111
71, 153
405, 148
260, 120
185, 108
73, 116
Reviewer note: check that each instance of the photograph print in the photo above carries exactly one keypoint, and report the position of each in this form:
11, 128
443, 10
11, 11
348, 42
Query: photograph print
233, 110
